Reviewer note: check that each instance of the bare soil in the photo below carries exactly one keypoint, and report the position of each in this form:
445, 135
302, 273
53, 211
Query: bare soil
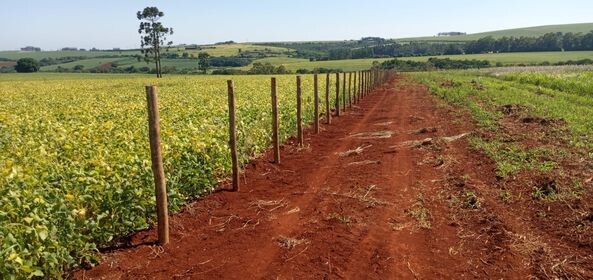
356, 203
7, 63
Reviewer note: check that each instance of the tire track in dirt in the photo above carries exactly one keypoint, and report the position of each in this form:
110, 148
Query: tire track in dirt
314, 216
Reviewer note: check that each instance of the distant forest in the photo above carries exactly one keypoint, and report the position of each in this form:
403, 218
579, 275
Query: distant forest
373, 47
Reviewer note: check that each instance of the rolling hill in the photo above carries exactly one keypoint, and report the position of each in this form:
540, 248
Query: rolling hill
535, 31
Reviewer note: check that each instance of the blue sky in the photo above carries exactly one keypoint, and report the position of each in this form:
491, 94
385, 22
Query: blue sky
110, 23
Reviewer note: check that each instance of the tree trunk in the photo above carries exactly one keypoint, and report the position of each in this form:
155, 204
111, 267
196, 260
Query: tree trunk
157, 55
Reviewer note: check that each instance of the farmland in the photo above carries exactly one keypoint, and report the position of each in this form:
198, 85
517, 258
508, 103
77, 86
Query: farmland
296, 140
516, 32
15, 55
518, 58
535, 128
294, 64
58, 154
566, 96
492, 166
65, 138
325, 54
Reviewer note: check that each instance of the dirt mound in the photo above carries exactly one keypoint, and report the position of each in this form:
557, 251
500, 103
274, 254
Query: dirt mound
511, 109
542, 121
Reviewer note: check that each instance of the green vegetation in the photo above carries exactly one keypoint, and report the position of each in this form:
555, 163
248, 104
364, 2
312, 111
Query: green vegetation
153, 37
539, 46
64, 138
237, 49
15, 55
512, 158
433, 63
420, 213
27, 65
294, 64
565, 97
525, 58
517, 32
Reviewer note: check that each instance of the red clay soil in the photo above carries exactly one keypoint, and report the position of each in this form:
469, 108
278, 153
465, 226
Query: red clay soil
388, 212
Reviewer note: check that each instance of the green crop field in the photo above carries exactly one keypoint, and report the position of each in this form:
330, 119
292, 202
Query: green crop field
233, 49
66, 137
15, 55
294, 64
517, 58
124, 62
126, 58
517, 32
41, 76
90, 63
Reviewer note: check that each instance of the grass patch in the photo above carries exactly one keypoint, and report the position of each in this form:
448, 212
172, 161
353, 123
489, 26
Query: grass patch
511, 158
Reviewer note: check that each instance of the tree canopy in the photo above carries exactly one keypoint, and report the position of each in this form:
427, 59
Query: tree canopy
27, 65
153, 36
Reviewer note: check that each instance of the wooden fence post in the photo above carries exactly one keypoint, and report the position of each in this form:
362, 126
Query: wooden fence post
233, 135
368, 82
350, 89
160, 184
338, 94
359, 86
299, 112
354, 85
316, 101
344, 92
328, 115
364, 90
364, 83
275, 138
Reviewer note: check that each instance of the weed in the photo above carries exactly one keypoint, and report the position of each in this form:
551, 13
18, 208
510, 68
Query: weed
542, 193
576, 190
420, 213
289, 243
542, 214
342, 218
470, 200
506, 196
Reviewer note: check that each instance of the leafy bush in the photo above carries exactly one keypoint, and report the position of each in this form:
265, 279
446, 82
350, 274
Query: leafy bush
27, 65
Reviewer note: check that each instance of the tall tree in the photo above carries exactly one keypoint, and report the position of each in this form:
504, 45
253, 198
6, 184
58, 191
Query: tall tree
203, 61
153, 36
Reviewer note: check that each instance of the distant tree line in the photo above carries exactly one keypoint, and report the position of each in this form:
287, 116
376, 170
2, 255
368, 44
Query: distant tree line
381, 48
257, 68
451, 33
31, 49
433, 64
548, 42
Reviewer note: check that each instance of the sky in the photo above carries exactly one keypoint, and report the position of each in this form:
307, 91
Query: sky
112, 23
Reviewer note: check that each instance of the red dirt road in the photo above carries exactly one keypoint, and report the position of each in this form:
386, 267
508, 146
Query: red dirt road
382, 214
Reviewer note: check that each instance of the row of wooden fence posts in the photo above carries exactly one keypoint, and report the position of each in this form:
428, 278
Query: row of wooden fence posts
364, 82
